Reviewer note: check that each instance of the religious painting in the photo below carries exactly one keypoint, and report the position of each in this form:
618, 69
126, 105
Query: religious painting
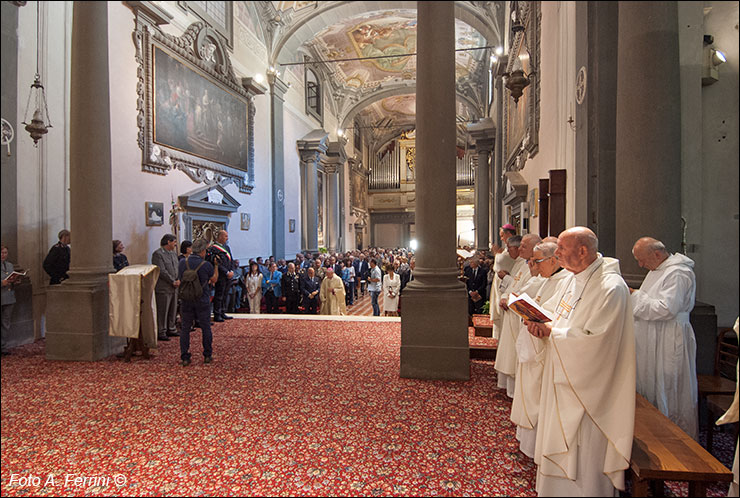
359, 191
154, 214
291, 225
521, 118
246, 221
194, 115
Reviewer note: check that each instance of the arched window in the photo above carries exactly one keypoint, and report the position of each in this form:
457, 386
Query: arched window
313, 95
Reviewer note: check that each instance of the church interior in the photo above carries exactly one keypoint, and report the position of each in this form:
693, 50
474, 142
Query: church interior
315, 126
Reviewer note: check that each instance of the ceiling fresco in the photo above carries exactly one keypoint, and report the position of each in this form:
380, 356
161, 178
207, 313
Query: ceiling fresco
360, 52
382, 34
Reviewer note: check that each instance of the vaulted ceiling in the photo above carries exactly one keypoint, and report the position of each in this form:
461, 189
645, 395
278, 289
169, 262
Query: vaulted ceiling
379, 92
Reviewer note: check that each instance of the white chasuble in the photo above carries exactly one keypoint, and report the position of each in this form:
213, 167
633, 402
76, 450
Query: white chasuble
587, 406
506, 350
531, 355
666, 345
333, 303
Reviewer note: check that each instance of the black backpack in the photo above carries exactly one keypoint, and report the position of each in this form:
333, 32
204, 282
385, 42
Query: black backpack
190, 288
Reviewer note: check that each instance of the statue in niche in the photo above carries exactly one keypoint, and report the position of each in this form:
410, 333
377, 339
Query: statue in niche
206, 230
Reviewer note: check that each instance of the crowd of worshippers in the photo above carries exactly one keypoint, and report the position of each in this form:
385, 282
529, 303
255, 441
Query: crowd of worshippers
572, 379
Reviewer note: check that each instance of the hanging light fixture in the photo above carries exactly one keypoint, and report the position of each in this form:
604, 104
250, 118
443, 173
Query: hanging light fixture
516, 82
40, 122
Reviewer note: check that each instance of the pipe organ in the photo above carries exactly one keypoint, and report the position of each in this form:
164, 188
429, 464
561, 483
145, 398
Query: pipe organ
387, 171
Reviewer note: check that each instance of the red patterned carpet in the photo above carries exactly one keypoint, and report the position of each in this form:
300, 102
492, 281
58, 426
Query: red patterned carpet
289, 407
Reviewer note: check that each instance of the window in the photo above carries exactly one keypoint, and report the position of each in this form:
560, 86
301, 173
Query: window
218, 15
313, 95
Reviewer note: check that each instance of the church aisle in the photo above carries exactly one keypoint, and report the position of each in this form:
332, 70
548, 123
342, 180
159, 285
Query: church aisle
288, 407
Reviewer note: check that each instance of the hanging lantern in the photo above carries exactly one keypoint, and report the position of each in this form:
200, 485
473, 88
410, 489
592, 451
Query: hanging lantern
40, 122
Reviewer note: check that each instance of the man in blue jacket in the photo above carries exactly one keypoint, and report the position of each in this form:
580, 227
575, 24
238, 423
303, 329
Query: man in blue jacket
272, 288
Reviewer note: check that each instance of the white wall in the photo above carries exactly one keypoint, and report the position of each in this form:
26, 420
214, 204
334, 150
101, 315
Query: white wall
557, 100
717, 257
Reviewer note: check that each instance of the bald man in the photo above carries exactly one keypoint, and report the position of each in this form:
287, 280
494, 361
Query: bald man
332, 294
666, 346
506, 359
587, 405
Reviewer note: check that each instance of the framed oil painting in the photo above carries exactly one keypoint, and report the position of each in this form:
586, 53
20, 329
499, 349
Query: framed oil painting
246, 220
522, 118
154, 214
195, 115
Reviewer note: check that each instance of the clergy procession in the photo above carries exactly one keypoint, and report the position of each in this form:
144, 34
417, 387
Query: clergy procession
573, 379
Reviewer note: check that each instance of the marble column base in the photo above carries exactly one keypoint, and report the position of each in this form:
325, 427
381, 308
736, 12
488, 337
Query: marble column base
434, 334
77, 323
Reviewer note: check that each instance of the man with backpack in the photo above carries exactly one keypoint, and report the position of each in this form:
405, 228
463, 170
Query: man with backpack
194, 274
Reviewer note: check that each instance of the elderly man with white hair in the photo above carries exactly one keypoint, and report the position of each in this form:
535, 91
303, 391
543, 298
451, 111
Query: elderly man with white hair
666, 346
506, 359
531, 350
587, 406
332, 294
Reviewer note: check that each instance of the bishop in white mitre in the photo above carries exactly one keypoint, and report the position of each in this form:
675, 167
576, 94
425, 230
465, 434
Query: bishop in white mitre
666, 345
531, 350
587, 404
506, 359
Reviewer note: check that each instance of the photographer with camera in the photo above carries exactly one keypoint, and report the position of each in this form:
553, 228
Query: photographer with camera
219, 254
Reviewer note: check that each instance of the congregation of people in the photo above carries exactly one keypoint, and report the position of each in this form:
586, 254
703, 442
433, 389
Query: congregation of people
572, 379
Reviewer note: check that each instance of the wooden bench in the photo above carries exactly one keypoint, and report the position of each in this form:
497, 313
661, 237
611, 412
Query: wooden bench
661, 451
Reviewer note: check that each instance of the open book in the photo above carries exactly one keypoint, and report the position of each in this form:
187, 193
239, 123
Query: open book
525, 307
16, 276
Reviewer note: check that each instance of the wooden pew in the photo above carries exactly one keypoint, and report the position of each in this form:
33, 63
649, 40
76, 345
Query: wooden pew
661, 451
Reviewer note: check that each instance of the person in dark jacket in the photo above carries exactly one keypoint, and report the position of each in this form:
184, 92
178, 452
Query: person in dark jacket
291, 287
57, 261
476, 282
310, 287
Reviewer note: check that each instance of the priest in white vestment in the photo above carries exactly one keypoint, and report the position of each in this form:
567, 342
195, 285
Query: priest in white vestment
506, 360
332, 294
587, 406
531, 351
503, 262
666, 345
733, 415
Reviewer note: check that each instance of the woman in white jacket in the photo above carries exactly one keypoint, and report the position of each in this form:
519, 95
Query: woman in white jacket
391, 289
254, 287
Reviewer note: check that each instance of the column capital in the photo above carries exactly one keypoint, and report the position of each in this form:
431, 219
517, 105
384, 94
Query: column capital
483, 132
277, 86
313, 145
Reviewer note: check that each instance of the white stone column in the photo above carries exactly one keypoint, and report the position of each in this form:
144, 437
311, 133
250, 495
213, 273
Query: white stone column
77, 310
434, 325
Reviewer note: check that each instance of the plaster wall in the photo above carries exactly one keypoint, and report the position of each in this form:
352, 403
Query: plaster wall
557, 84
717, 256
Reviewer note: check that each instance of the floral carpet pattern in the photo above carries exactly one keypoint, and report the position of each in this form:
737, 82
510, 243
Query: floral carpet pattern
288, 407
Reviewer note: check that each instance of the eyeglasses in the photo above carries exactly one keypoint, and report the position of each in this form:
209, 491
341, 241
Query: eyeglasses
538, 261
